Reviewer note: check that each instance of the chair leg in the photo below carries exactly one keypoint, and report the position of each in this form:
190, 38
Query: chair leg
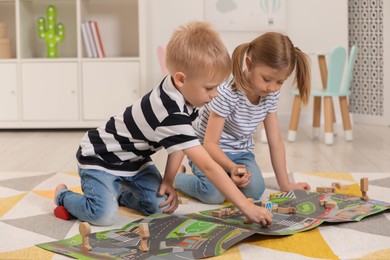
346, 119
292, 132
323, 70
333, 116
316, 116
329, 138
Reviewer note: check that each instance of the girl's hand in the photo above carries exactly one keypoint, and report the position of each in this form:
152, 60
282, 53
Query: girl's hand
240, 176
256, 214
298, 186
172, 200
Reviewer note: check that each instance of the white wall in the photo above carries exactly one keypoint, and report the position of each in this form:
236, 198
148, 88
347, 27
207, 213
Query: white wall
164, 16
313, 26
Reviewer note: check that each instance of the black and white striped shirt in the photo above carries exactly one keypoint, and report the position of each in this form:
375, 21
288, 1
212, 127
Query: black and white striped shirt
160, 119
241, 117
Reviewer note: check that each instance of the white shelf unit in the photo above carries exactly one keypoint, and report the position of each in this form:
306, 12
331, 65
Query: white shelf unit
71, 91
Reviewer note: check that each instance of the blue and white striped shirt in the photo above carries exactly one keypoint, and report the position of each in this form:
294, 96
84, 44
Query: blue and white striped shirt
160, 119
241, 117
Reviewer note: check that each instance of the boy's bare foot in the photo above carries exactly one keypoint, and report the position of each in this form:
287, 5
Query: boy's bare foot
57, 190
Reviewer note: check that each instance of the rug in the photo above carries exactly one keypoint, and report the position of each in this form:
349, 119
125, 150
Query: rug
26, 219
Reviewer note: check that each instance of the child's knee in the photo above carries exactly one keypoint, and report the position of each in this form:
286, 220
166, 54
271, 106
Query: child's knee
254, 192
212, 196
104, 217
216, 198
153, 206
207, 193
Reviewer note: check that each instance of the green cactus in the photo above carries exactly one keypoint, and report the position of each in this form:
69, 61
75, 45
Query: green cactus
51, 32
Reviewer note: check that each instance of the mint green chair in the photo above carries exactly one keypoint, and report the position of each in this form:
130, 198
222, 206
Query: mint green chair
334, 88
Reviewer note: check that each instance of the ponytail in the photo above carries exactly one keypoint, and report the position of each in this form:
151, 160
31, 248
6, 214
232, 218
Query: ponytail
302, 76
238, 56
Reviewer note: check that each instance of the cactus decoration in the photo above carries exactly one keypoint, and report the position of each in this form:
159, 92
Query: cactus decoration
51, 32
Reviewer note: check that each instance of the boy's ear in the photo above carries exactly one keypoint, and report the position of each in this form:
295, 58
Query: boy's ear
179, 79
248, 63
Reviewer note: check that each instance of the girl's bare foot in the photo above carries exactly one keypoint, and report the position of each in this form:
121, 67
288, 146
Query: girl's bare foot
182, 169
57, 190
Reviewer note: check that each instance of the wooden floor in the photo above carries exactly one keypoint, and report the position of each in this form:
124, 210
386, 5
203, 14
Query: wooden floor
54, 150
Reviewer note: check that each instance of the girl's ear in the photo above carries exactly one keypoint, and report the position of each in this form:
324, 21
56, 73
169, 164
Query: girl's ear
248, 63
179, 78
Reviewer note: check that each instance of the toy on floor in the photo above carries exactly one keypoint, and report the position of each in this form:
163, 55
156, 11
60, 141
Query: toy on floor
85, 230
287, 210
62, 213
223, 212
269, 205
339, 186
144, 234
183, 200
364, 188
324, 189
328, 204
201, 235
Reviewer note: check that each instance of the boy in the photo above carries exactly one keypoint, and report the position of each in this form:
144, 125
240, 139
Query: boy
114, 160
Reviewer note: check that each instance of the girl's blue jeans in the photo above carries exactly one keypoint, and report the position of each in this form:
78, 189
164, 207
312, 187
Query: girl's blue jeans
104, 193
197, 185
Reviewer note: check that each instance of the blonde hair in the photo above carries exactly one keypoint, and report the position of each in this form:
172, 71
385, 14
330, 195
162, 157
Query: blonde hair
276, 51
196, 49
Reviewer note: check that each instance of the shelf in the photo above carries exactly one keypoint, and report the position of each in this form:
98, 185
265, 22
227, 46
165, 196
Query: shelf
8, 16
118, 25
31, 46
43, 60
68, 91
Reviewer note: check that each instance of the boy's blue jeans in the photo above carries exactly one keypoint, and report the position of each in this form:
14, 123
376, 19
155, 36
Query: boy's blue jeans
104, 193
197, 185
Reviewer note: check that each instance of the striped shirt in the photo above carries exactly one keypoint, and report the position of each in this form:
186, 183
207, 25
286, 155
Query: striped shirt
241, 117
160, 119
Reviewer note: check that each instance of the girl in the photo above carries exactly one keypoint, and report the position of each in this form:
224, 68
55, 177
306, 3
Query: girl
227, 124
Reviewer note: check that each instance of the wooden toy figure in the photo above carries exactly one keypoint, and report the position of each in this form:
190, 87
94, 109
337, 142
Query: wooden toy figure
364, 188
223, 212
324, 189
144, 234
85, 230
287, 210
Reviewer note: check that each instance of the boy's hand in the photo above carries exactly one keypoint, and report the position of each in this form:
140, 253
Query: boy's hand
171, 200
260, 215
240, 176
298, 186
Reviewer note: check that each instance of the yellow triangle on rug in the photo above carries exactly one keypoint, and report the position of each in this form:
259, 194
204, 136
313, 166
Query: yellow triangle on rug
381, 254
28, 253
309, 243
9, 202
346, 176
